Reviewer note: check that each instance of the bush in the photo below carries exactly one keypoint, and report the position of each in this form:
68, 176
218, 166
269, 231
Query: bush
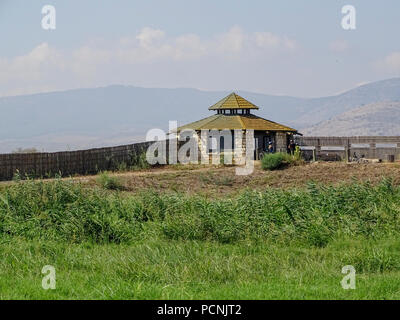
108, 182
139, 161
273, 161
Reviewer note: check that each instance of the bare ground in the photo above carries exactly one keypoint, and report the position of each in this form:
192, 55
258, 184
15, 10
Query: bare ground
219, 181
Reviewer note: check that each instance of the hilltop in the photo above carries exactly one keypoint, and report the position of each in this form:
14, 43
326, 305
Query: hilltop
97, 117
375, 119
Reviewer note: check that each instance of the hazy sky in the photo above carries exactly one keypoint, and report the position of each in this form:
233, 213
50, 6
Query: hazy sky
282, 47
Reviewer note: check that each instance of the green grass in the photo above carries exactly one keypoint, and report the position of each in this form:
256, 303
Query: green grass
109, 182
138, 162
271, 245
274, 161
67, 211
161, 269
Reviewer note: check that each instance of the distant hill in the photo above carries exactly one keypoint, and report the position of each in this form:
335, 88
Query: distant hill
376, 119
113, 115
320, 109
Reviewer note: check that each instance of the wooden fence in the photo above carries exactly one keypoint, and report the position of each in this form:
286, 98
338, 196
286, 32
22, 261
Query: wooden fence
70, 162
93, 161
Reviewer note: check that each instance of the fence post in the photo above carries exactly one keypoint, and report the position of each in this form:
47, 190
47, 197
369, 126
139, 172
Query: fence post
317, 149
347, 150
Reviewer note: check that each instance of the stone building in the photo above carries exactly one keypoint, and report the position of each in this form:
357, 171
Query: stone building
233, 113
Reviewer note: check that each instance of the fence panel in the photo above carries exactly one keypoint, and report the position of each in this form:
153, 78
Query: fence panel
68, 163
370, 147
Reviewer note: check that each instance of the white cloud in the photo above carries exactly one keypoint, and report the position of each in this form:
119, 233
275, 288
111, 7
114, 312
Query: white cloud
189, 47
392, 62
231, 41
133, 57
36, 61
268, 40
388, 66
148, 36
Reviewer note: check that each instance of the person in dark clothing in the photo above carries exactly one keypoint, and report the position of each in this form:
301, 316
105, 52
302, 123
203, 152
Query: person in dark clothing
270, 147
292, 147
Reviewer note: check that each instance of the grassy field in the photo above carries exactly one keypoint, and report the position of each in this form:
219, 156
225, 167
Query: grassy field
167, 269
107, 240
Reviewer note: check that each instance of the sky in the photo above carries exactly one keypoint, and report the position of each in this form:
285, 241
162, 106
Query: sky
297, 48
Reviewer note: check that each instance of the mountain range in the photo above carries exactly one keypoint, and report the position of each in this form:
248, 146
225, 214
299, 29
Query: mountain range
375, 119
95, 117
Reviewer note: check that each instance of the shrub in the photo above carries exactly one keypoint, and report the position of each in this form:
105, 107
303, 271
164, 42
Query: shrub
139, 161
273, 161
108, 182
297, 154
122, 167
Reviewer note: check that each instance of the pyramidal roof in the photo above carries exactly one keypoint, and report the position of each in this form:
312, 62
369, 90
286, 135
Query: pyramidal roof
222, 121
233, 101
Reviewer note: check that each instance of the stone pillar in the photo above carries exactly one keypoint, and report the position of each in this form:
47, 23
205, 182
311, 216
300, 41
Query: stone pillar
239, 146
203, 146
281, 142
